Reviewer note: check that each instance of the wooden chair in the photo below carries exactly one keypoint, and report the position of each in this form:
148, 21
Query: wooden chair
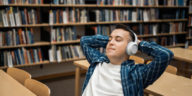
190, 47
171, 69
137, 59
147, 62
18, 74
37, 87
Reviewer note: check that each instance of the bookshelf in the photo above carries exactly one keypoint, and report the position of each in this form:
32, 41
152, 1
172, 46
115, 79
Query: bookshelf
189, 36
48, 31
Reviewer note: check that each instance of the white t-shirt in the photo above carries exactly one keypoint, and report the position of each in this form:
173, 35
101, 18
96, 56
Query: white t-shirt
105, 81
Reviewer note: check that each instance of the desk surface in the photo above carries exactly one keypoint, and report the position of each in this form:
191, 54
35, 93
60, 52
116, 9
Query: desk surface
172, 85
11, 87
182, 54
168, 84
84, 64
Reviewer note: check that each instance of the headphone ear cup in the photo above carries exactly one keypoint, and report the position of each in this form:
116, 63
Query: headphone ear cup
132, 48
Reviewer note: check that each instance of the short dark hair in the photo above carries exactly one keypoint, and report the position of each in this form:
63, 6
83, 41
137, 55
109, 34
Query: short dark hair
126, 28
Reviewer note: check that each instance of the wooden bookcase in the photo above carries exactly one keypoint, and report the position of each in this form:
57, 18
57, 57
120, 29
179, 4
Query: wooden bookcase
189, 36
44, 24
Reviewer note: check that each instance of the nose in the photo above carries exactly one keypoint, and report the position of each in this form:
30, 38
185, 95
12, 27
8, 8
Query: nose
111, 42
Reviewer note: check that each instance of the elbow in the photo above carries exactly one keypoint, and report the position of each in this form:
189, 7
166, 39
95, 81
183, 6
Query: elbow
171, 54
83, 40
168, 55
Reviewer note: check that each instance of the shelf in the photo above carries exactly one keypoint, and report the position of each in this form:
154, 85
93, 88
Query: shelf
151, 21
33, 64
113, 6
26, 5
74, 5
161, 34
44, 62
177, 45
27, 45
25, 65
66, 42
189, 38
27, 25
74, 24
131, 6
41, 44
69, 60
90, 6
3, 67
96, 23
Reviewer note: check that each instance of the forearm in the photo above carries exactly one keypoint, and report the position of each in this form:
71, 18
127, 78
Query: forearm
161, 58
89, 45
156, 51
95, 41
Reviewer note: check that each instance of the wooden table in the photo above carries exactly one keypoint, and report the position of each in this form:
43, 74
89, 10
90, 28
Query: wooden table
183, 62
11, 87
84, 64
168, 84
171, 85
182, 54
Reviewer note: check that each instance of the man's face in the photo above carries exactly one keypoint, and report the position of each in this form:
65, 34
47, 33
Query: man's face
117, 44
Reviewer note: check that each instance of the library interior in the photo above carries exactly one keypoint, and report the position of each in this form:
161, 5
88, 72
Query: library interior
50, 47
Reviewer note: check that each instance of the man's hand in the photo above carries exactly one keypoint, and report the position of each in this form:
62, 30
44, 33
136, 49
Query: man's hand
138, 41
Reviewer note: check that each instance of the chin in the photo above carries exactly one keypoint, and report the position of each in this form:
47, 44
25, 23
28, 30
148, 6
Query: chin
110, 55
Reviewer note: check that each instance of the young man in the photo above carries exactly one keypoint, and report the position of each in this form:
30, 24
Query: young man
113, 74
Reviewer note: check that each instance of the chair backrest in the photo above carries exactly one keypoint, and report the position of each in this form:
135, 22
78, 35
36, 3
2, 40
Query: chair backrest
137, 59
149, 61
18, 74
171, 69
37, 87
190, 47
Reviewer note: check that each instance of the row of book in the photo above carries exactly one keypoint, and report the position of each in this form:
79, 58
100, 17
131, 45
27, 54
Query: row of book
144, 29
135, 15
61, 34
173, 2
128, 2
12, 37
71, 2
164, 41
67, 15
154, 29
190, 33
20, 56
190, 6
59, 53
15, 17
6, 2
190, 21
104, 30
143, 2
126, 15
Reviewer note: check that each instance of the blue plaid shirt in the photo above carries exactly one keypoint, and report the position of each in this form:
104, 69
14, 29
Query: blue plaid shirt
134, 77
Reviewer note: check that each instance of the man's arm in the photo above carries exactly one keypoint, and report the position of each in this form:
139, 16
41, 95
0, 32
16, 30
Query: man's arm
89, 45
161, 58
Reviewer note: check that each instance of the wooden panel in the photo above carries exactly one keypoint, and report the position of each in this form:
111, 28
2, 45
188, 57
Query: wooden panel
11, 87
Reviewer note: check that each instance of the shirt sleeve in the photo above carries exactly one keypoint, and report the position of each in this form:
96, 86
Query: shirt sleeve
89, 45
161, 58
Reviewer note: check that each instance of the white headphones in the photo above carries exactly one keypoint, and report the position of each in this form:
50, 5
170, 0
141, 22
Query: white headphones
132, 46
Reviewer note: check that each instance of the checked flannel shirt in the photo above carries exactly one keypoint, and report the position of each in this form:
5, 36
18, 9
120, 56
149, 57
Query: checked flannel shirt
134, 77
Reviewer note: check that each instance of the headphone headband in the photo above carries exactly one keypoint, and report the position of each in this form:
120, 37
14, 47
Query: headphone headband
135, 36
